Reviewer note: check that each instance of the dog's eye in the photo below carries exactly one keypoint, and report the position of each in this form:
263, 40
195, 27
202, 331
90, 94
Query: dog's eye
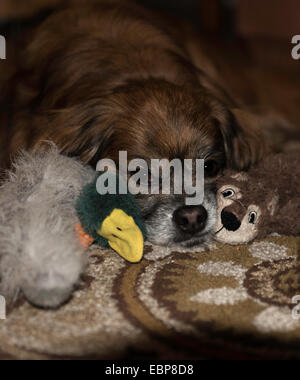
252, 217
212, 168
228, 193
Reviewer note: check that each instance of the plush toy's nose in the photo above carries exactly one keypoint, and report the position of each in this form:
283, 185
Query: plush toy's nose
230, 221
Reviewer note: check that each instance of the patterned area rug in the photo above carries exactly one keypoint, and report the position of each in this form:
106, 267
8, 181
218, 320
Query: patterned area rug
230, 302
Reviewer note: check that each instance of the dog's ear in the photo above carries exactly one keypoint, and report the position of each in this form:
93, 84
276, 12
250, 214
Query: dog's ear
87, 133
244, 140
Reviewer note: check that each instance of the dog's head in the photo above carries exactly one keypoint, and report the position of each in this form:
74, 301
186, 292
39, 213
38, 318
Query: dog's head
154, 119
121, 84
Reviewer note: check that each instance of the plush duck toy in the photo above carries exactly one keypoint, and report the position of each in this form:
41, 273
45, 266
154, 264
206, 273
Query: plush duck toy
111, 220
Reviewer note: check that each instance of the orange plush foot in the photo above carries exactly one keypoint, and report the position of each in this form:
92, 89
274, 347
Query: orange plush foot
85, 240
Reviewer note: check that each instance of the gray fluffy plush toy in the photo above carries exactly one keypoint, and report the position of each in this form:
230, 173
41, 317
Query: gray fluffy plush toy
39, 253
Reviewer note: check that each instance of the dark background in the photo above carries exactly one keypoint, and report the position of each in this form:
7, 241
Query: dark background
253, 34
188, 9
248, 18
278, 19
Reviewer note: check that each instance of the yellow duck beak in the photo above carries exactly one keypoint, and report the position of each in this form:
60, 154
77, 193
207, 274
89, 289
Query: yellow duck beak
123, 236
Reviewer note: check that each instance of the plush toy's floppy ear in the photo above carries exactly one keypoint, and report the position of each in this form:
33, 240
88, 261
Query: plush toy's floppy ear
244, 140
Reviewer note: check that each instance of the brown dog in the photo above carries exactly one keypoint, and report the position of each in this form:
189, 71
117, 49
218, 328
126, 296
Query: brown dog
111, 76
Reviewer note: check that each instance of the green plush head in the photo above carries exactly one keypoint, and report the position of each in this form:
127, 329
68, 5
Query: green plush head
108, 219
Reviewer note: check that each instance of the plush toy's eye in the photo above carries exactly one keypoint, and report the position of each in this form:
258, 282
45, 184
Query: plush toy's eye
252, 217
228, 193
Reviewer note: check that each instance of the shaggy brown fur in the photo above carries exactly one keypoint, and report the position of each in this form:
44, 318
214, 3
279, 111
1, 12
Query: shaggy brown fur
112, 76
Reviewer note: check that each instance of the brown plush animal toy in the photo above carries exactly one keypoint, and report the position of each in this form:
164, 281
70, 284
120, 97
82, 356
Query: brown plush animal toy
260, 202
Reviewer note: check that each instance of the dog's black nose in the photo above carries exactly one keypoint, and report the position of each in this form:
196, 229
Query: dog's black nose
230, 221
191, 219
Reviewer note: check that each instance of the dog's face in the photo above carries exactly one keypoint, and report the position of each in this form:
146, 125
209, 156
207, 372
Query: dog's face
171, 123
170, 222
158, 120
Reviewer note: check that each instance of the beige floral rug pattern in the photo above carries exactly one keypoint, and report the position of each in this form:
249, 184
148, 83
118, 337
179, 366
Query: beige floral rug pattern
229, 302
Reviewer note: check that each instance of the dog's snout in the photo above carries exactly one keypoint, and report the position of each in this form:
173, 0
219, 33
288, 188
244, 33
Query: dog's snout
230, 221
191, 219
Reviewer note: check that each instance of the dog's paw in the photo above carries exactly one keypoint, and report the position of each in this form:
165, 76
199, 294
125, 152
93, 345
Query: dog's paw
49, 290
